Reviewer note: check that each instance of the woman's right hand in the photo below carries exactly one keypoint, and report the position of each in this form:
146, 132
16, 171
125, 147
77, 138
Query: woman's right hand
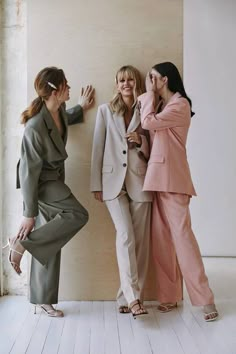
26, 227
150, 82
98, 196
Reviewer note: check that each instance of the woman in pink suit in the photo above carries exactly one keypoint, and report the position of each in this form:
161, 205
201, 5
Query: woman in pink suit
175, 249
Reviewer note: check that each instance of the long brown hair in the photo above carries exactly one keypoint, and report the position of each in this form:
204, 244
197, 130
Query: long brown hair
47, 80
117, 104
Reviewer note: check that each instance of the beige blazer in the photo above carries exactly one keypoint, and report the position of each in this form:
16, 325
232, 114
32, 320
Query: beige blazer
41, 171
113, 163
168, 169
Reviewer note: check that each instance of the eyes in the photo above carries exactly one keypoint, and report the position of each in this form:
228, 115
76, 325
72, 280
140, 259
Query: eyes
123, 80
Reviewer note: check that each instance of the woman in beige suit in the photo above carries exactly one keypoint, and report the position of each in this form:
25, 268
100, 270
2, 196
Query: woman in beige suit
49, 207
119, 162
175, 249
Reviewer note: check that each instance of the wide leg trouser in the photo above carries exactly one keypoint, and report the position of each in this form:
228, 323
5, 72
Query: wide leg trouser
175, 251
132, 223
56, 224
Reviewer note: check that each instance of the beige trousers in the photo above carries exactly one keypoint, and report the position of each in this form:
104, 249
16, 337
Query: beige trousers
176, 252
132, 223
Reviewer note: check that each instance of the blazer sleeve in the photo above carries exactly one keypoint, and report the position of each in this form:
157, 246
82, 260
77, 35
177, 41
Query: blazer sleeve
29, 170
98, 152
75, 115
175, 114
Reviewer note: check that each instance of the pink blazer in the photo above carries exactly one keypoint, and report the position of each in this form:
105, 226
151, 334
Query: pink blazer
168, 169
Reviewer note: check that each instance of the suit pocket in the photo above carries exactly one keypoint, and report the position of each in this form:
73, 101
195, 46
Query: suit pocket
156, 158
107, 169
141, 170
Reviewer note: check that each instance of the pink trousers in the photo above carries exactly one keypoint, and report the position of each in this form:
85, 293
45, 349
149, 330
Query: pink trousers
176, 252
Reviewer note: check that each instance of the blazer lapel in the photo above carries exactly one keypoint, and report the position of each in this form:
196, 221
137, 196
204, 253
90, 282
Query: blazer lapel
65, 123
120, 124
135, 121
53, 132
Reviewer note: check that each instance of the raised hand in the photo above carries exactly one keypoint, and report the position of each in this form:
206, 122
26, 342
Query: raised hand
150, 82
86, 98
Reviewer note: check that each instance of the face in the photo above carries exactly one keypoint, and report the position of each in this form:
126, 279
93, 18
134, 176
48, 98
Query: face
63, 94
125, 85
158, 79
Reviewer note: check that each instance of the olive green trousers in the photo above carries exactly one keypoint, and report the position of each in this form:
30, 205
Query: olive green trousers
56, 224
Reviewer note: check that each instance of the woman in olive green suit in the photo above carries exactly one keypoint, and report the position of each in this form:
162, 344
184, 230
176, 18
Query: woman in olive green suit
49, 207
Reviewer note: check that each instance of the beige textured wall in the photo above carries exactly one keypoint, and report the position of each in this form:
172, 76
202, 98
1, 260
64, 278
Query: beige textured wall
90, 41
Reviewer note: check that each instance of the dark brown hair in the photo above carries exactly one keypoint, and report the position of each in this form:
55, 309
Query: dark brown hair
47, 80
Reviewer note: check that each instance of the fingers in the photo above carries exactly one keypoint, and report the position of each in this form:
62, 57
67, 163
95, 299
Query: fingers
19, 233
133, 137
98, 196
23, 234
88, 92
25, 228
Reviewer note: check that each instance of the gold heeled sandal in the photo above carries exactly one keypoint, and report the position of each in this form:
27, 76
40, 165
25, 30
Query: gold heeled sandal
51, 311
166, 307
9, 244
210, 313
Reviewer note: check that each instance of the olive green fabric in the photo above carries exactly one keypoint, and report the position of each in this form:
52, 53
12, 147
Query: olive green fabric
56, 224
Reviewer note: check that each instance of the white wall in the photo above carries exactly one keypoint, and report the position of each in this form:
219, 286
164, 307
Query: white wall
210, 77
14, 99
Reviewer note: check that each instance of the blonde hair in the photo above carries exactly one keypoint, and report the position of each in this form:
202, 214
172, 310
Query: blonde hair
47, 80
117, 103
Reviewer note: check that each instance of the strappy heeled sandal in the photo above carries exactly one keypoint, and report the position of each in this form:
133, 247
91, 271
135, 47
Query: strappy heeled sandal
11, 249
166, 307
210, 313
140, 309
124, 309
51, 311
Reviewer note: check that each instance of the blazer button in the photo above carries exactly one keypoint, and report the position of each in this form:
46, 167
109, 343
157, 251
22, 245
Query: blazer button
124, 164
124, 152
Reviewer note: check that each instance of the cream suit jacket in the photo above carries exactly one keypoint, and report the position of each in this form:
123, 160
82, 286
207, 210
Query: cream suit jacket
113, 163
41, 171
168, 169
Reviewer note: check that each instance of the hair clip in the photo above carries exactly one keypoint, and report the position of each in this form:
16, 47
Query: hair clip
52, 85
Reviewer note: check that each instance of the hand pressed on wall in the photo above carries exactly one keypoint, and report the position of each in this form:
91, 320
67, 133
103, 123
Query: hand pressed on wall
86, 98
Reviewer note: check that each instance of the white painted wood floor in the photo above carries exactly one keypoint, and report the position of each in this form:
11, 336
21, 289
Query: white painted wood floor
97, 328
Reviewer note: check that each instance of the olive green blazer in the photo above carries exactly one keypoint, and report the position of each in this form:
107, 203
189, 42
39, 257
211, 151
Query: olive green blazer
40, 170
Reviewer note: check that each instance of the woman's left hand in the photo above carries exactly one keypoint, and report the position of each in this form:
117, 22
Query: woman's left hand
134, 137
86, 98
26, 227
